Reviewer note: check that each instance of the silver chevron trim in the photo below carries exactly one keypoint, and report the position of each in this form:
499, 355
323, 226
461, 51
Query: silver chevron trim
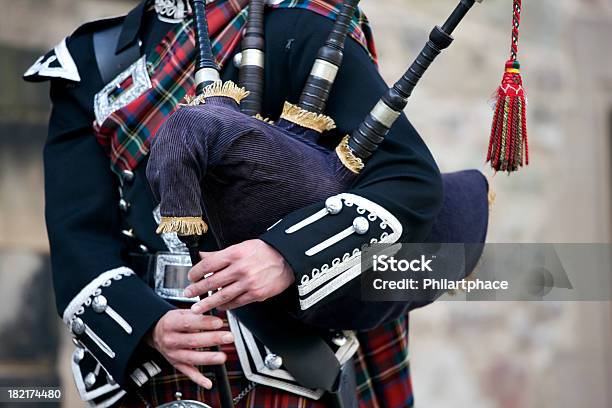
67, 68
251, 372
119, 320
87, 395
100, 305
326, 275
109, 402
104, 279
360, 224
152, 368
139, 377
330, 241
99, 342
349, 274
330, 287
307, 221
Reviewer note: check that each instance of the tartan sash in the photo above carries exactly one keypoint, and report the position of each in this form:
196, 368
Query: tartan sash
127, 133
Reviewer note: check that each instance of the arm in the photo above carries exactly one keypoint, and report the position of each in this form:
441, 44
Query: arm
95, 287
82, 218
401, 186
401, 182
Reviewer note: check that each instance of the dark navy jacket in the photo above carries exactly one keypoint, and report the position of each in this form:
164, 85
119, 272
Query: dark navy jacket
88, 228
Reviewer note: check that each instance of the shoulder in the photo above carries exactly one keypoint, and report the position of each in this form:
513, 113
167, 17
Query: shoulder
73, 57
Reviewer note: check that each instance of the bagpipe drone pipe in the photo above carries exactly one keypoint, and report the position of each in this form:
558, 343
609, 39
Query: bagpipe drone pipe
244, 173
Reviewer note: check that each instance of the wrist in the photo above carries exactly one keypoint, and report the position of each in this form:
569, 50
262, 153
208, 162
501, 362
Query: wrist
149, 338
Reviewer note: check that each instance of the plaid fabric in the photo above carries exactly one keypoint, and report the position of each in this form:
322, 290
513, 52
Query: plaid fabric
381, 365
126, 135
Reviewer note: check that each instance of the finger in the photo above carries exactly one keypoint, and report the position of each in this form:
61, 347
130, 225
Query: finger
204, 339
240, 301
220, 279
194, 375
225, 295
188, 322
211, 262
193, 357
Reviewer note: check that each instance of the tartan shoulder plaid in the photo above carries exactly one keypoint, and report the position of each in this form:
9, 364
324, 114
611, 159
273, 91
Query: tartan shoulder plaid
381, 365
127, 133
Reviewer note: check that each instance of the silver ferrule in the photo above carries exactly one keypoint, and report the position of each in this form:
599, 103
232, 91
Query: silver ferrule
206, 75
252, 56
324, 70
384, 114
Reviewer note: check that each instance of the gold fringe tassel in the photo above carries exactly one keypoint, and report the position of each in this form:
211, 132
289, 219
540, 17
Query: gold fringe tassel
227, 88
191, 100
217, 88
265, 120
346, 156
310, 120
182, 225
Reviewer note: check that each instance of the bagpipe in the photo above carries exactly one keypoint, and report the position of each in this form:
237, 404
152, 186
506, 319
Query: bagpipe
201, 157
217, 157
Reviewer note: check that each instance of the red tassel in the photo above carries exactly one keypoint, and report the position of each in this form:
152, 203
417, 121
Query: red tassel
508, 146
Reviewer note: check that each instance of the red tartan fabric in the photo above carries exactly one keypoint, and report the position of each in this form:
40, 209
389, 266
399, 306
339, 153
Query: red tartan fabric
127, 133
381, 365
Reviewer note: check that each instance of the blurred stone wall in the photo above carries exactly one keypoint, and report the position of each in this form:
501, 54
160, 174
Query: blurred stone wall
511, 354
485, 355
34, 344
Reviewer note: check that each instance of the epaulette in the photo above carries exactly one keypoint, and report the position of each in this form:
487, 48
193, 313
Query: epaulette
59, 62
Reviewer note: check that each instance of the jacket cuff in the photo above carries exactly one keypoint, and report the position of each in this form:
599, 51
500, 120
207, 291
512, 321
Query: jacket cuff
323, 243
109, 318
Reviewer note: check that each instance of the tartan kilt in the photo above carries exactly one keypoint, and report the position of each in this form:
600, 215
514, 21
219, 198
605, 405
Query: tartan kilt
381, 366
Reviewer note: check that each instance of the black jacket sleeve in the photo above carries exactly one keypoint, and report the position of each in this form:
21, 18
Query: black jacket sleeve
82, 216
399, 192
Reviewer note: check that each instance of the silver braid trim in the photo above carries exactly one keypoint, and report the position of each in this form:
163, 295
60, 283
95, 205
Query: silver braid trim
83, 298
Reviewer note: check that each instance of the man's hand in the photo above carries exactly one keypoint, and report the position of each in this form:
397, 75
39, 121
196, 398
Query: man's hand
179, 332
251, 271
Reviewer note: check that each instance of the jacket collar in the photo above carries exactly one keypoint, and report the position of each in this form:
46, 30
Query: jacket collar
131, 27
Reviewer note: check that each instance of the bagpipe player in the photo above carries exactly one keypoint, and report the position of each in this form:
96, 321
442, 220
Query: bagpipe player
135, 305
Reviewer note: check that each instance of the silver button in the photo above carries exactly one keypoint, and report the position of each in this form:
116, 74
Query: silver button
237, 60
273, 362
99, 304
127, 175
333, 205
143, 248
90, 380
79, 354
339, 339
124, 205
361, 225
77, 326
